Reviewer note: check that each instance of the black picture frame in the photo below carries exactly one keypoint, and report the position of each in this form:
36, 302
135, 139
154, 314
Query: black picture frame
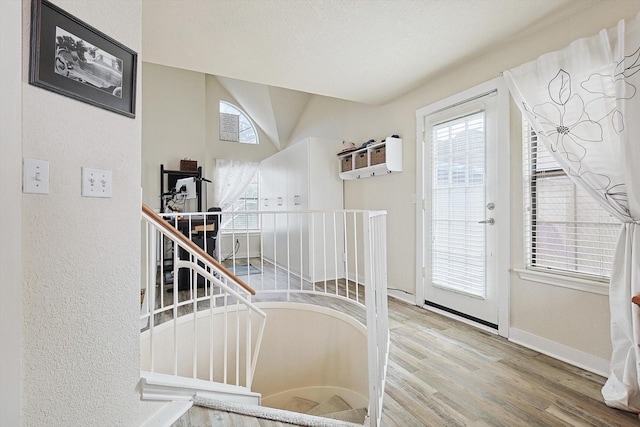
72, 58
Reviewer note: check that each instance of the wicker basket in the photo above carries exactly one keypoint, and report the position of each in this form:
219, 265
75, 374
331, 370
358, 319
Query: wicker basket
379, 155
346, 164
361, 160
189, 165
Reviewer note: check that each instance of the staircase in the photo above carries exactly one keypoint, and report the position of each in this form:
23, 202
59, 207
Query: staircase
214, 334
299, 412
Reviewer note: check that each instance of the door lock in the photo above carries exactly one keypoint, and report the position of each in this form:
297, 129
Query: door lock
491, 206
489, 221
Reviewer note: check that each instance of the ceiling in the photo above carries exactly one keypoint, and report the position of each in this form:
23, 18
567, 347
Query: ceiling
368, 51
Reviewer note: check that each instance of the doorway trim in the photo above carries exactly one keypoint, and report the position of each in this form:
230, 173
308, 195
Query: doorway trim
11, 262
503, 255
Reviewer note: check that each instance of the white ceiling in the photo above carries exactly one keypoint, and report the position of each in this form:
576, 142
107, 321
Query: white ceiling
368, 51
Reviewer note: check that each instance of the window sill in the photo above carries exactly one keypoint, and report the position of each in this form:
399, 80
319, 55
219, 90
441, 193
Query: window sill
580, 284
237, 232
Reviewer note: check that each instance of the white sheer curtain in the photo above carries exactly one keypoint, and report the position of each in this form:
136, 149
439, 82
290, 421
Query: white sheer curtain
230, 180
582, 103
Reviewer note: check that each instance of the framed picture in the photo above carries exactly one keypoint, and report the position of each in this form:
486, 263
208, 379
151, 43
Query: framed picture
229, 127
74, 59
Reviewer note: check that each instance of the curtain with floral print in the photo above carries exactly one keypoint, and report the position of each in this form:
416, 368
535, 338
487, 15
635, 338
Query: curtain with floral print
583, 104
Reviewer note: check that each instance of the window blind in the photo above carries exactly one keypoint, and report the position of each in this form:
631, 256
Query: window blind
566, 231
243, 213
458, 199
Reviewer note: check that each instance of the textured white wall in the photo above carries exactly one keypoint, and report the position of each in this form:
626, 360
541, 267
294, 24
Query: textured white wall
81, 255
11, 212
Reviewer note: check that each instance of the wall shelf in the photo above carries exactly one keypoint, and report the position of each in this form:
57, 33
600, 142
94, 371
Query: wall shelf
375, 160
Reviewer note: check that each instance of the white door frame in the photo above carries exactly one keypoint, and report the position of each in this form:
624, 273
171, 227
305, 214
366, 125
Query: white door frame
11, 262
502, 218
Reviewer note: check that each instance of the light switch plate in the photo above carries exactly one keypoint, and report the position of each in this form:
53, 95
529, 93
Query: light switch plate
96, 183
35, 176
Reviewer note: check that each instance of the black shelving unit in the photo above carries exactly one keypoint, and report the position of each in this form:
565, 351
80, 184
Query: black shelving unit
168, 180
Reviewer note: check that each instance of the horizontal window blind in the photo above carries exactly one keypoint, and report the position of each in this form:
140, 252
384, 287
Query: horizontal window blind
458, 199
243, 213
566, 231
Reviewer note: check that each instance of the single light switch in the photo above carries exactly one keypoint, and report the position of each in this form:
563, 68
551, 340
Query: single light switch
35, 176
96, 183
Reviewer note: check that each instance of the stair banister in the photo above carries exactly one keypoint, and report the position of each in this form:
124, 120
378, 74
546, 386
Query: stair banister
160, 222
203, 264
356, 246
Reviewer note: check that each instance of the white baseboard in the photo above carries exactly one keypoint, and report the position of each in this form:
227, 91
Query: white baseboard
154, 386
574, 357
402, 296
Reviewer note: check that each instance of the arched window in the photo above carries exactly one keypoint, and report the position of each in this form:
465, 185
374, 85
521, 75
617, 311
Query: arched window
236, 125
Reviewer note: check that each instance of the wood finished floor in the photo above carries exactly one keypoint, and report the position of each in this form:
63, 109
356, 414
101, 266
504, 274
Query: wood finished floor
446, 373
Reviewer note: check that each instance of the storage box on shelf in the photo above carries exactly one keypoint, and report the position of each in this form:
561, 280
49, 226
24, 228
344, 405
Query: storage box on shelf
361, 160
189, 165
346, 164
376, 159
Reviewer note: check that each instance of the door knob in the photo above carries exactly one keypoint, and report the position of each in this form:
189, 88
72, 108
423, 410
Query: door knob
489, 221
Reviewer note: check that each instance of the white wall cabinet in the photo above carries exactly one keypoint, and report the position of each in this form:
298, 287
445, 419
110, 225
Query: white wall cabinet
374, 160
303, 178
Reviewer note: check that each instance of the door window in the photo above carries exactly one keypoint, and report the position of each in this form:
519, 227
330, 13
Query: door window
458, 196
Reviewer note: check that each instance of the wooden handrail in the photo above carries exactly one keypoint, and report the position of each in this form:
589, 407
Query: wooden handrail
187, 242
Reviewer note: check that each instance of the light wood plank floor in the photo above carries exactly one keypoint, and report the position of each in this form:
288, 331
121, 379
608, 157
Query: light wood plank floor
446, 373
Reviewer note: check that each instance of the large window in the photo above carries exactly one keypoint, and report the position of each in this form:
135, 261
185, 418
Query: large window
242, 215
566, 231
235, 125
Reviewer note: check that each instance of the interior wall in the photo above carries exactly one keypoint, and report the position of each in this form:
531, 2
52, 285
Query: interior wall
292, 364
228, 150
356, 123
562, 321
180, 119
81, 256
11, 215
173, 125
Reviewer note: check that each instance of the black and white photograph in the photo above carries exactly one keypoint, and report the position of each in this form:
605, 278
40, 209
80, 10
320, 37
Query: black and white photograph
74, 59
85, 63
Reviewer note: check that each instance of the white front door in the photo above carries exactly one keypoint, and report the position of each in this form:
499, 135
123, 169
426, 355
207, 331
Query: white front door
465, 210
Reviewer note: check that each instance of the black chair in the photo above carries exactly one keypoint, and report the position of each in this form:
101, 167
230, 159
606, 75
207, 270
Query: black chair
208, 232
204, 233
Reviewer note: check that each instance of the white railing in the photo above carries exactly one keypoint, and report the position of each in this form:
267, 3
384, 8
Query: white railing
337, 254
375, 244
235, 328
